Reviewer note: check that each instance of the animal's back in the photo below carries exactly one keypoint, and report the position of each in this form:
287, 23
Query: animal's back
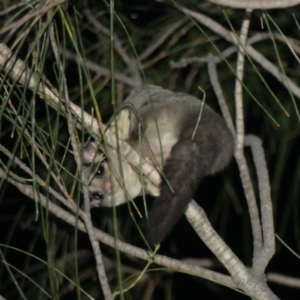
167, 117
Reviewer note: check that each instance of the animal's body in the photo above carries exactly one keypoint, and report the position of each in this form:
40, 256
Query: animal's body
160, 128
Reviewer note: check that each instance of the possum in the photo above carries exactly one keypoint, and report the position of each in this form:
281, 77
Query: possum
180, 135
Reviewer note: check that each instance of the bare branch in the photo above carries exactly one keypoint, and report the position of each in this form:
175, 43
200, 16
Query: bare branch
268, 249
162, 39
241, 276
213, 77
92, 66
258, 57
284, 280
37, 12
239, 152
11, 8
290, 42
87, 216
67, 202
18, 71
111, 241
131, 62
257, 4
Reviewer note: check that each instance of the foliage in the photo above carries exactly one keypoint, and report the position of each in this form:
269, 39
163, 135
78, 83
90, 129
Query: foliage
42, 257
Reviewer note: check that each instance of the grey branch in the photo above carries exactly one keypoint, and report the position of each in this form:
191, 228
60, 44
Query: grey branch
254, 54
241, 276
112, 242
267, 251
257, 4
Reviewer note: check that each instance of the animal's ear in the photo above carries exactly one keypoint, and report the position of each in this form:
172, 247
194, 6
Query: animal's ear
89, 153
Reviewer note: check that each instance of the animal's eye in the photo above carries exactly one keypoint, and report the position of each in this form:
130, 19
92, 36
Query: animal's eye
98, 196
100, 172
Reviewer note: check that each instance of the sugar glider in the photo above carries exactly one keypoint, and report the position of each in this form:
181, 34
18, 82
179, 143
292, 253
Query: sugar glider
164, 128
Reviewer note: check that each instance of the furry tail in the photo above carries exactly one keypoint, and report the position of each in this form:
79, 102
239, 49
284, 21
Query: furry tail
188, 163
184, 171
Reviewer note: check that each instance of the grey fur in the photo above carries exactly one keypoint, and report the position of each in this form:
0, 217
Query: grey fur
168, 121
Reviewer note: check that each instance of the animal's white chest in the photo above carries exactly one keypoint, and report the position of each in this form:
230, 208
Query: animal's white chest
162, 145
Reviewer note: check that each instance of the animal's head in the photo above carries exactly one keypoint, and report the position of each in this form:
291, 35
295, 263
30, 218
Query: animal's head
110, 182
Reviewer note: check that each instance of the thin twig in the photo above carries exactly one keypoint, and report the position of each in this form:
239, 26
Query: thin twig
291, 43
39, 12
67, 202
131, 62
162, 39
41, 157
257, 4
266, 210
254, 54
213, 76
239, 152
12, 7
87, 215
92, 66
284, 280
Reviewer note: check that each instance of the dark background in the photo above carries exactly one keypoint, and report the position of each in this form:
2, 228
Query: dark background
221, 196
